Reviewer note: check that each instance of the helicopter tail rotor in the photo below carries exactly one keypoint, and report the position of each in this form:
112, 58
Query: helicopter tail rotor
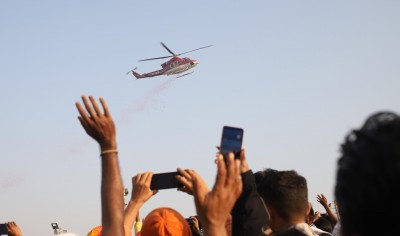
131, 71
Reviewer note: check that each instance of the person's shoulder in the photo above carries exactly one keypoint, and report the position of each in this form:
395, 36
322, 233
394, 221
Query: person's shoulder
319, 231
302, 229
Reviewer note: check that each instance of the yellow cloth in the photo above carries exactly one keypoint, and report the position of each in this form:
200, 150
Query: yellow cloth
138, 226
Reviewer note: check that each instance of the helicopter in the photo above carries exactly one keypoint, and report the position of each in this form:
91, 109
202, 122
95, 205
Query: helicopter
175, 66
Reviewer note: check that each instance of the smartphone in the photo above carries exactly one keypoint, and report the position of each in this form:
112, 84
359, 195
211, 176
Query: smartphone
191, 222
3, 229
165, 181
231, 141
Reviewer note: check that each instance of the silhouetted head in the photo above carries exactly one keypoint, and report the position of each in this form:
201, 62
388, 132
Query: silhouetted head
323, 224
368, 177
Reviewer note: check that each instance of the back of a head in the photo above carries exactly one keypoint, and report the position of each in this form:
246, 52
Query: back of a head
165, 222
286, 192
368, 177
323, 224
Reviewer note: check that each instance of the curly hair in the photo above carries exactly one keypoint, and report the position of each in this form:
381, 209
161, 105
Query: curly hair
368, 177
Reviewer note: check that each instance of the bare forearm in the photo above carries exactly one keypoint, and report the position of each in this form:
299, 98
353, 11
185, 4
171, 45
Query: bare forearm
131, 212
330, 213
112, 201
215, 231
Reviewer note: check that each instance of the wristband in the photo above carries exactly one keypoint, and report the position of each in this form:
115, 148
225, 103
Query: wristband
109, 151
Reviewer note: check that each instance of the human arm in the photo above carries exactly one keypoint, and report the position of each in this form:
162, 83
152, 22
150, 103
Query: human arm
213, 207
140, 194
324, 202
138, 224
13, 229
249, 213
100, 126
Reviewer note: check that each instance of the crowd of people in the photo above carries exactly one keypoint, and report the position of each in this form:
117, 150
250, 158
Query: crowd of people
267, 202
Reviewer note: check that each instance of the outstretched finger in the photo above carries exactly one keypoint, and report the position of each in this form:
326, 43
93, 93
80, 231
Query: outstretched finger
231, 167
95, 106
243, 161
105, 107
82, 111
88, 106
221, 173
199, 187
238, 178
148, 177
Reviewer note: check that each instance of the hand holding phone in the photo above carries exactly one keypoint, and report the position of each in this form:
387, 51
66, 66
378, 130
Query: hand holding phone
140, 188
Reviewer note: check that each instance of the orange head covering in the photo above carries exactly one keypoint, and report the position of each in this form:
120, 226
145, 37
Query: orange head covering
96, 231
165, 222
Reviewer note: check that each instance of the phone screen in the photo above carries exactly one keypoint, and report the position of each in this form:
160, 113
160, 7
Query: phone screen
165, 181
3, 229
231, 140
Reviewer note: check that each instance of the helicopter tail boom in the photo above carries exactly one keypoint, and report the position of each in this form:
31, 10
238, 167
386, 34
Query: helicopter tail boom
134, 73
137, 75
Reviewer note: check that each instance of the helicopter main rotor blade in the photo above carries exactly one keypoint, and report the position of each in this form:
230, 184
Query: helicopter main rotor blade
194, 50
169, 50
155, 58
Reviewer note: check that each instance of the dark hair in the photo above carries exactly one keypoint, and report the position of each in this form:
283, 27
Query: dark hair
324, 224
312, 213
286, 191
329, 219
368, 177
258, 176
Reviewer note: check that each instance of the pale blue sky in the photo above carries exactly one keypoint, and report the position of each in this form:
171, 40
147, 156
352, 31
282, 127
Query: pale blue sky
295, 75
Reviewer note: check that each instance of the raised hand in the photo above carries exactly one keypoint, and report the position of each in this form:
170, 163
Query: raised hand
100, 126
213, 207
322, 200
97, 124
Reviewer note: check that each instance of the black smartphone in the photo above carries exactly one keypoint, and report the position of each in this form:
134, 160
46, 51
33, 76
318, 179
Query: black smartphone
191, 222
3, 229
231, 141
165, 181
